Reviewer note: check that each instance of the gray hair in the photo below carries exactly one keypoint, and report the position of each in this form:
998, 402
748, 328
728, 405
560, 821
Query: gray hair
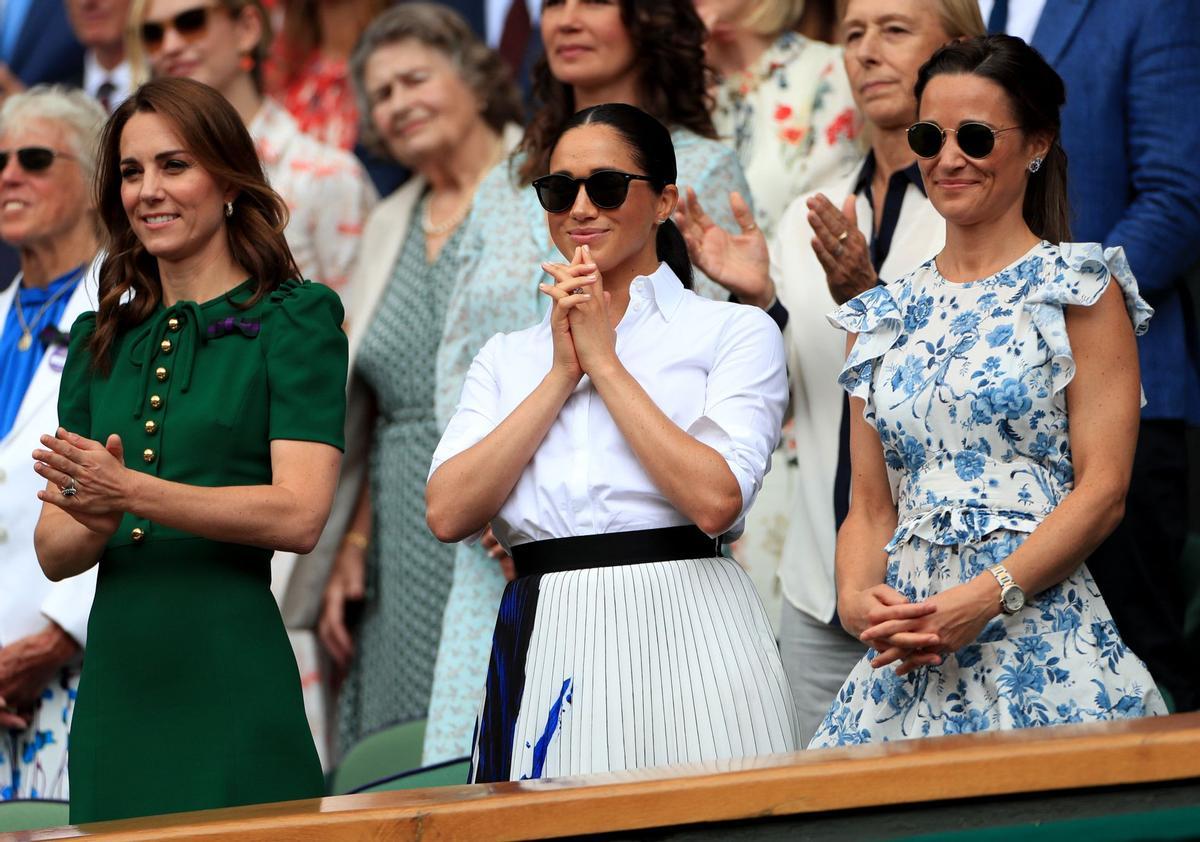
442, 29
81, 115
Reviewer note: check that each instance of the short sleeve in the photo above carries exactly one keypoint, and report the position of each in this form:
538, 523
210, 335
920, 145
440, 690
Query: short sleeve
1079, 276
306, 364
478, 410
75, 387
876, 318
745, 398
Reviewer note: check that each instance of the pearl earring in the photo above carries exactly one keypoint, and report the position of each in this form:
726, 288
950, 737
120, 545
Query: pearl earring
228, 209
1035, 165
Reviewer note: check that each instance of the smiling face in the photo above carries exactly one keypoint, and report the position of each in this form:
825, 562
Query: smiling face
887, 41
964, 190
587, 44
214, 54
420, 104
621, 240
175, 207
38, 208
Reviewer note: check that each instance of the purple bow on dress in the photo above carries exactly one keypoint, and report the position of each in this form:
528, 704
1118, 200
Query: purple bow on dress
226, 326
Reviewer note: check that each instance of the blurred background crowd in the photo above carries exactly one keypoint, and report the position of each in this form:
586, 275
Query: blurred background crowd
403, 138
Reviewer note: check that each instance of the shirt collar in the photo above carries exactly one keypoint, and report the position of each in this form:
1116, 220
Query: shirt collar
664, 289
94, 76
912, 172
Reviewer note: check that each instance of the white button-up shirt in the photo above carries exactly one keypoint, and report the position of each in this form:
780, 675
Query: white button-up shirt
714, 368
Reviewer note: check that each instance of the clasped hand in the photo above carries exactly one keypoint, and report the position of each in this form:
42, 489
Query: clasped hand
96, 471
584, 339
917, 634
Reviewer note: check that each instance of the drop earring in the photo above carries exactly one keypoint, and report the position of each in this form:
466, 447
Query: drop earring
1035, 165
228, 209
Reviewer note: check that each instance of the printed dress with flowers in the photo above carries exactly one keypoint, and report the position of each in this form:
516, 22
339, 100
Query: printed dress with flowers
965, 383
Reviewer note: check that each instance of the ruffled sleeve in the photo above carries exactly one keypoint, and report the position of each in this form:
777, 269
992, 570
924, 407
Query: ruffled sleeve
1079, 276
306, 364
875, 316
75, 387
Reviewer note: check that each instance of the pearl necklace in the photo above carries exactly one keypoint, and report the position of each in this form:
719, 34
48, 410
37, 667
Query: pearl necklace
443, 228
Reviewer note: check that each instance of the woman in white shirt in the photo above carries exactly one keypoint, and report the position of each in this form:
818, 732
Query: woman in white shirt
611, 447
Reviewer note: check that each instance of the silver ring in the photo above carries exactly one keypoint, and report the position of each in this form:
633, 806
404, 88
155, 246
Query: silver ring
69, 490
577, 291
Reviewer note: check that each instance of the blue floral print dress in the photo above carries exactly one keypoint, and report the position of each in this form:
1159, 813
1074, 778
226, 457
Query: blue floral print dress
965, 383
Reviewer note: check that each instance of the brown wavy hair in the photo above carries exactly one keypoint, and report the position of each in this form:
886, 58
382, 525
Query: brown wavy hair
212, 131
668, 38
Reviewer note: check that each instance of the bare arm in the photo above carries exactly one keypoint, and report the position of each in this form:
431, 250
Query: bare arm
347, 580
288, 514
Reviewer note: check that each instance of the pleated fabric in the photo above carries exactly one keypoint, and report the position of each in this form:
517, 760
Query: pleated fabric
629, 667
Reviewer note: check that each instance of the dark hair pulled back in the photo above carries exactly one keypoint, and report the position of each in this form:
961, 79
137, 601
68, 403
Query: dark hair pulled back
213, 133
650, 144
668, 39
1036, 94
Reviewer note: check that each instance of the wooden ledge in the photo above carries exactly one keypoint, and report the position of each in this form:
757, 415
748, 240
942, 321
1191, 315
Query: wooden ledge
910, 772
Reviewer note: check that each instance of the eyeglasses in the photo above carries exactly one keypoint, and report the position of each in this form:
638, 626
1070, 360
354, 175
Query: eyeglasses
190, 24
607, 189
32, 158
976, 140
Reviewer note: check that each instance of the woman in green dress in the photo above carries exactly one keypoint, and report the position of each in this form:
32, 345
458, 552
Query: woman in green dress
201, 417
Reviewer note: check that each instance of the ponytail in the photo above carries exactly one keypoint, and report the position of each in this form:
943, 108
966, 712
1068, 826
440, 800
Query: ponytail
672, 250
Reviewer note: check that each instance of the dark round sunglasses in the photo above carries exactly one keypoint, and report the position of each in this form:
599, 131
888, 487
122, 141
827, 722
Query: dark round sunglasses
191, 24
32, 158
976, 140
607, 189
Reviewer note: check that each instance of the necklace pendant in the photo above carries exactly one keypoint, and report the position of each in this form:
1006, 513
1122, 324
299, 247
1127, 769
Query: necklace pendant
25, 342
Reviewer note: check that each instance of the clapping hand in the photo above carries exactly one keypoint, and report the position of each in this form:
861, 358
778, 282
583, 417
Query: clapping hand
841, 249
95, 472
572, 287
739, 262
582, 303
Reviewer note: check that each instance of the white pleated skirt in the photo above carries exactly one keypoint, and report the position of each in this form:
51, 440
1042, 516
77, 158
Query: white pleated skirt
628, 667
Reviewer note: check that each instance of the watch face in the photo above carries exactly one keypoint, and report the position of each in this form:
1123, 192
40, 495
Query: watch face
1014, 599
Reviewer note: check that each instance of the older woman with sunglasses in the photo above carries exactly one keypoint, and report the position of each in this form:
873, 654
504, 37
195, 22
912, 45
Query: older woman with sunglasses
611, 446
224, 44
994, 396
47, 159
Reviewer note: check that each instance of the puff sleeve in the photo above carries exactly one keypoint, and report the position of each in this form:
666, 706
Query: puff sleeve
75, 387
876, 318
1079, 276
306, 357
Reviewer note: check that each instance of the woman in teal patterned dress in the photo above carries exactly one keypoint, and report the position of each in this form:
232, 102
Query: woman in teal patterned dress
997, 390
437, 100
645, 54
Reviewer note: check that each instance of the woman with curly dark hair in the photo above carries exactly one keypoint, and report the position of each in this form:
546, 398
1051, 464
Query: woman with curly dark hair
200, 427
646, 54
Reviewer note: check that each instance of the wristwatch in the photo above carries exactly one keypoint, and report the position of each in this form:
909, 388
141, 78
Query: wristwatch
1012, 598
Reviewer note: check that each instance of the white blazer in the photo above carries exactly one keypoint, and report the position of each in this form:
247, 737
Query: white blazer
27, 597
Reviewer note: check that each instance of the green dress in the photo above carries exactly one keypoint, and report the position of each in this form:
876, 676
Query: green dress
190, 696
408, 570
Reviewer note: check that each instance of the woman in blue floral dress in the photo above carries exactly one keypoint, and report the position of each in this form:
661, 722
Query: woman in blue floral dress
986, 490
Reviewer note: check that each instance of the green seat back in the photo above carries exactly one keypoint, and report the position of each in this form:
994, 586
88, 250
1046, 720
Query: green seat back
383, 754
32, 815
452, 773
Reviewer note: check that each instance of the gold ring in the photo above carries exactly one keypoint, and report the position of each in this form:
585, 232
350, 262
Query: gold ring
843, 235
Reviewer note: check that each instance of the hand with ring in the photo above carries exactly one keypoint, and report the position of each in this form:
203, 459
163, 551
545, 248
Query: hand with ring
569, 290
739, 262
840, 247
86, 479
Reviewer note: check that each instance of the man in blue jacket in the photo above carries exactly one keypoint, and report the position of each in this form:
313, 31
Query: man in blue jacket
1131, 129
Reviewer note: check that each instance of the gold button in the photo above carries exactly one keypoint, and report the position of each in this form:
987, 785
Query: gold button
160, 373
151, 427
173, 323
166, 346
148, 455
138, 535
155, 402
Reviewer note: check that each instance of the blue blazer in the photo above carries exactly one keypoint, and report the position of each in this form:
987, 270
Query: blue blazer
1131, 128
46, 49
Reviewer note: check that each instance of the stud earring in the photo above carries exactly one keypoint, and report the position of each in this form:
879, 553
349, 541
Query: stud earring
1035, 165
228, 209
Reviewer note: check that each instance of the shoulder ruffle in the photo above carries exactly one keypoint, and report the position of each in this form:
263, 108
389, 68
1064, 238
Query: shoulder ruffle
304, 300
876, 317
83, 327
1079, 275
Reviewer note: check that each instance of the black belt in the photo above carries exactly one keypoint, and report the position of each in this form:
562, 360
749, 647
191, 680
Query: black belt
642, 546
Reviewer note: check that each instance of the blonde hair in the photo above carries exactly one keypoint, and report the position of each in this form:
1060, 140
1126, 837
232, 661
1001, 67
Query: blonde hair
773, 17
959, 18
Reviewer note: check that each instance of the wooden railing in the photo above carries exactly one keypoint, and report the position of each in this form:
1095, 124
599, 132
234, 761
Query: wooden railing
913, 772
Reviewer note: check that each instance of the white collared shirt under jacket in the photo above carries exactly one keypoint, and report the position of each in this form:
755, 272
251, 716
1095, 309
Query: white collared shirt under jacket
714, 368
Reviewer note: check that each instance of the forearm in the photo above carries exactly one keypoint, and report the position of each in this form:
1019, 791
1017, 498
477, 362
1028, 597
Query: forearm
272, 516
64, 546
693, 476
466, 491
860, 560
